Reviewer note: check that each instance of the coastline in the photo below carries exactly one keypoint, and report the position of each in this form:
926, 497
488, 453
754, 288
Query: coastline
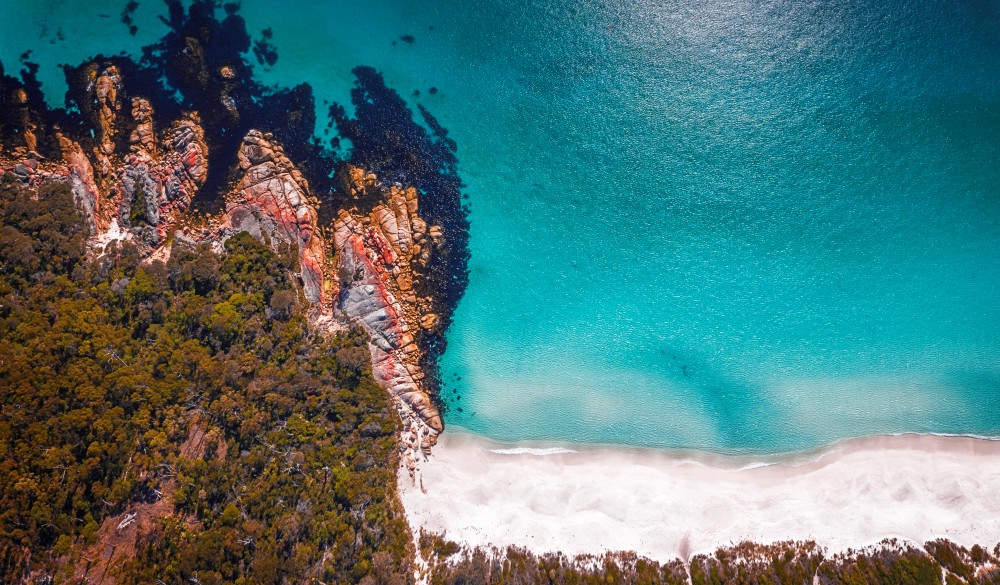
578, 499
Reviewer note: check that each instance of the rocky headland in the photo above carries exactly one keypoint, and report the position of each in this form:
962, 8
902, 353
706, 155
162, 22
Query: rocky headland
286, 476
183, 148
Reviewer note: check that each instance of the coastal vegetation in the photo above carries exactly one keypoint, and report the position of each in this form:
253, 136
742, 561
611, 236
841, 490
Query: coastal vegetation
179, 422
748, 563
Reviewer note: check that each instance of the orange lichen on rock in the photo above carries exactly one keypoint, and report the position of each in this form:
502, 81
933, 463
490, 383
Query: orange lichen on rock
381, 256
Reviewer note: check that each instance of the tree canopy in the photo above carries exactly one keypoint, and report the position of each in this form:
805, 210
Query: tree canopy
193, 395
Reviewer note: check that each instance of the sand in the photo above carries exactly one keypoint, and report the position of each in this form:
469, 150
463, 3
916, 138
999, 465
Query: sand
674, 505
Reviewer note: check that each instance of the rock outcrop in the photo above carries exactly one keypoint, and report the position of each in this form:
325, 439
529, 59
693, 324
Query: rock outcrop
144, 192
153, 191
382, 255
81, 176
376, 270
74, 169
106, 86
367, 274
273, 204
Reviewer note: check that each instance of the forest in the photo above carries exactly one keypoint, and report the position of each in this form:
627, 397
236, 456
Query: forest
889, 562
188, 401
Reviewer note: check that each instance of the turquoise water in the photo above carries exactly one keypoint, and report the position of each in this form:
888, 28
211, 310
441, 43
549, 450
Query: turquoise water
735, 226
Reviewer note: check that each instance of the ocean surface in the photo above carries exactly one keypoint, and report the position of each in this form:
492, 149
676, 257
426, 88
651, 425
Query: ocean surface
743, 227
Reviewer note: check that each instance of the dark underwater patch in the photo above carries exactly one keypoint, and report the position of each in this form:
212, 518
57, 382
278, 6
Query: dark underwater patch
264, 50
127, 17
388, 141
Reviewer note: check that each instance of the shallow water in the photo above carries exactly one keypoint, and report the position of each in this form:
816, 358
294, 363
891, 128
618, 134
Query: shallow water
755, 226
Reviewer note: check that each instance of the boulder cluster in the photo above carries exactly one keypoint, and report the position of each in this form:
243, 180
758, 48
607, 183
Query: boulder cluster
380, 255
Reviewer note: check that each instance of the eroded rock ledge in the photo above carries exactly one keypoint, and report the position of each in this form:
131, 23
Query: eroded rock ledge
380, 256
367, 267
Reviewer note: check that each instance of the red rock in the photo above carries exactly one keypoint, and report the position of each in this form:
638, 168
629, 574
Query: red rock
273, 199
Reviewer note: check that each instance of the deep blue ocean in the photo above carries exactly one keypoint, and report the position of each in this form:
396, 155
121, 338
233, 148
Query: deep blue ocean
722, 225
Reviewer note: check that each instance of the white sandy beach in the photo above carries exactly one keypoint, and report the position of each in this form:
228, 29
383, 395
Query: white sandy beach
665, 506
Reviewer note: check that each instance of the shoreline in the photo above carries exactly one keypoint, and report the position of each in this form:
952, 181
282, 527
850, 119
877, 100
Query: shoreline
731, 459
591, 499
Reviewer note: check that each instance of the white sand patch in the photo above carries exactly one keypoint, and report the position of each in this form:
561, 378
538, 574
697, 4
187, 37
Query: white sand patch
916, 487
114, 233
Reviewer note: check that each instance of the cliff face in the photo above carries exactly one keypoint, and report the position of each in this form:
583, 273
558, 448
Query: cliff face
364, 268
